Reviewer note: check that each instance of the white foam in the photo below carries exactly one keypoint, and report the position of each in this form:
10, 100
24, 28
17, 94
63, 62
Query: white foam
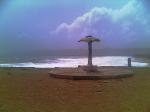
74, 62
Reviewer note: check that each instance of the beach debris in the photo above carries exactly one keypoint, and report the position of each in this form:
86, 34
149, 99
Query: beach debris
99, 91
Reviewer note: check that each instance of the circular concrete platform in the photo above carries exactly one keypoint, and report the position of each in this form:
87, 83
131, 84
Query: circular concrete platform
102, 73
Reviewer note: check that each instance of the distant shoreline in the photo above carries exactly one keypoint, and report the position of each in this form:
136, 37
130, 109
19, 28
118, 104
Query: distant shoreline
80, 52
30, 68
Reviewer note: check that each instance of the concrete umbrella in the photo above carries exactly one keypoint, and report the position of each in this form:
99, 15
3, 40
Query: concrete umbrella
89, 40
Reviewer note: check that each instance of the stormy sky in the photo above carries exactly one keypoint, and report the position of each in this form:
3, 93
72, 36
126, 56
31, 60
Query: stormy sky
28, 25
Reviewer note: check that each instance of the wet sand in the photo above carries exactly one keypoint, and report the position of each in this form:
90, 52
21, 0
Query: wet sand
32, 90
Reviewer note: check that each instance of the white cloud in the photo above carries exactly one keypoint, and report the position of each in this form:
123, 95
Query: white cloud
126, 23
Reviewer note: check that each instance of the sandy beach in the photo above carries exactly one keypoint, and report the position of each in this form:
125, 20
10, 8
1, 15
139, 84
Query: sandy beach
32, 90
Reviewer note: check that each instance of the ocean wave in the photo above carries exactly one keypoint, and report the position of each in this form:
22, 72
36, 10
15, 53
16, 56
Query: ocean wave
74, 62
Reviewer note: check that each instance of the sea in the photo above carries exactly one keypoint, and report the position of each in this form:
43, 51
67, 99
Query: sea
72, 61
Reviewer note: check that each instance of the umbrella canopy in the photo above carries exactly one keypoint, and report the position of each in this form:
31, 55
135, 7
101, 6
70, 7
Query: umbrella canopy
89, 39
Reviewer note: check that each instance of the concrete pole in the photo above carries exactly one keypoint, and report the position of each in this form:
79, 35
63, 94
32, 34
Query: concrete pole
129, 62
89, 53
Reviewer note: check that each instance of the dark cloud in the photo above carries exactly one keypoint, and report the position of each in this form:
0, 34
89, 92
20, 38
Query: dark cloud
146, 3
3, 3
